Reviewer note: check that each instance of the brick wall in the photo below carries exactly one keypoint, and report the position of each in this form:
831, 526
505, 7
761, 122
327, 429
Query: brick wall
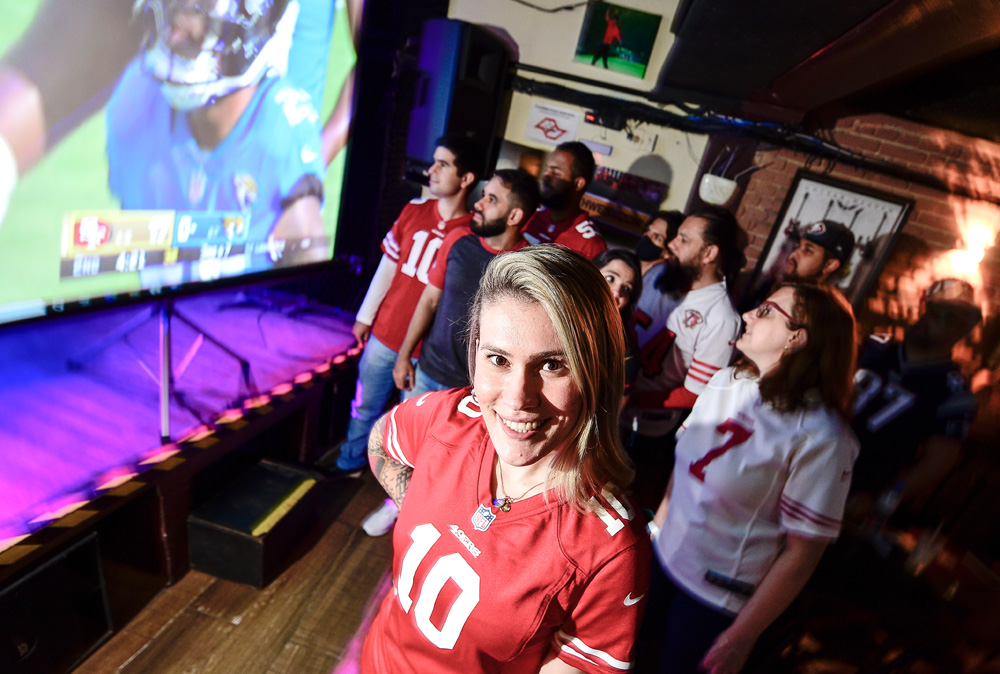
962, 163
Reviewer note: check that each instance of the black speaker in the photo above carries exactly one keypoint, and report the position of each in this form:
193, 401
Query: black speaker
462, 89
54, 617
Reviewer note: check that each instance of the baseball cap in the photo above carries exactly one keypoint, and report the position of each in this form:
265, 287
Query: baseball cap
959, 297
831, 235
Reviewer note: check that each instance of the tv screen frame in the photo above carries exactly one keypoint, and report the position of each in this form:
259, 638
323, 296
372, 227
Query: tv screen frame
67, 246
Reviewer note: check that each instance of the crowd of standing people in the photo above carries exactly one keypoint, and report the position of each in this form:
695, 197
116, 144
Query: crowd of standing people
597, 464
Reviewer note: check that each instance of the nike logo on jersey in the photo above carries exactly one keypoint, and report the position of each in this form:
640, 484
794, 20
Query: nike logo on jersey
631, 601
422, 399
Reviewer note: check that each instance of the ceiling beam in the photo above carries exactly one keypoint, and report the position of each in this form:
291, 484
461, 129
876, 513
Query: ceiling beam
902, 39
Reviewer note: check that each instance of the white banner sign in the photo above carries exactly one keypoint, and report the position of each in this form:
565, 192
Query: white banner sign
552, 125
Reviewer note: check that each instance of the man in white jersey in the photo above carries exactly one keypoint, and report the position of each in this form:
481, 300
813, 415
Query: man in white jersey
695, 343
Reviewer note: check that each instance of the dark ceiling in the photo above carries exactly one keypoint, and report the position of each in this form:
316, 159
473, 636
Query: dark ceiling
935, 61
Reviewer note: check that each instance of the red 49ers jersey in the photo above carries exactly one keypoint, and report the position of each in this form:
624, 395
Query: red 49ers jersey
578, 233
480, 590
413, 244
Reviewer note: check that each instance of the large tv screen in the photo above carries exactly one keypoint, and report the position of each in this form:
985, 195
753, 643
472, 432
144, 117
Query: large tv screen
152, 146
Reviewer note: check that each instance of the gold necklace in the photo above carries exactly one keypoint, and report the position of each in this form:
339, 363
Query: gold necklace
504, 503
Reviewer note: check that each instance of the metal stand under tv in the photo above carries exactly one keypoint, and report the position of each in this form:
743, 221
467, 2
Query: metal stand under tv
165, 311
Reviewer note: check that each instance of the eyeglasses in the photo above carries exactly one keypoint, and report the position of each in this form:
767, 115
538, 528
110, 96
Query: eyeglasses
764, 310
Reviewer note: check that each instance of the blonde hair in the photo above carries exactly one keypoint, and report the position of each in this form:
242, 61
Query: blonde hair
577, 300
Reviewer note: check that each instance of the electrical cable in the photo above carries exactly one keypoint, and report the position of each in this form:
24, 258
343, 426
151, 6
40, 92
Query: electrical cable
704, 122
562, 8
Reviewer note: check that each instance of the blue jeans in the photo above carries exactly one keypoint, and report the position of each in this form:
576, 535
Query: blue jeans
423, 384
375, 387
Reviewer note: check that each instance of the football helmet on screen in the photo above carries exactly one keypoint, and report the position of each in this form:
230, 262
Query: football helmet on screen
200, 50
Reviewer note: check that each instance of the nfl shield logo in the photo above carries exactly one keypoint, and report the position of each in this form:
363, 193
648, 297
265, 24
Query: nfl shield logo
483, 518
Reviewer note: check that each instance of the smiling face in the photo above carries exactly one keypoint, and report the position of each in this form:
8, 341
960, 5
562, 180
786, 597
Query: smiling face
768, 334
621, 279
530, 402
188, 29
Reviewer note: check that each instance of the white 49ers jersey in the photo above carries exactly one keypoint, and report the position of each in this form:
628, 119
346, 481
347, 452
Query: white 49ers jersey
745, 475
480, 590
696, 342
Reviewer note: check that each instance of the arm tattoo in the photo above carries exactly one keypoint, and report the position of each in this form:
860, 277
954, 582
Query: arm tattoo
392, 475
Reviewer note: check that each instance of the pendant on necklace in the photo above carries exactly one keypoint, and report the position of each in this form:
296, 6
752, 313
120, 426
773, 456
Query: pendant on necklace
502, 503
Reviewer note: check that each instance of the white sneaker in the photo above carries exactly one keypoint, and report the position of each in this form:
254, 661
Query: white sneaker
379, 522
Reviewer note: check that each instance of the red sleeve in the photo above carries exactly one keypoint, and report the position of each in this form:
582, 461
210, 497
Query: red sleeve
592, 247
535, 223
679, 398
599, 634
437, 271
410, 422
391, 240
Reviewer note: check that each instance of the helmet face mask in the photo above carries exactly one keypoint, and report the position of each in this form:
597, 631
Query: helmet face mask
200, 50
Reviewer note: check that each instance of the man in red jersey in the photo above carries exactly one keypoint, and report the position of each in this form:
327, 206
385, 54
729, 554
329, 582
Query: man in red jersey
440, 320
409, 250
561, 220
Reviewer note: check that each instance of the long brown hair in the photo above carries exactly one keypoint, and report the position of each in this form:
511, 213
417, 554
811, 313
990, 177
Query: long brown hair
825, 363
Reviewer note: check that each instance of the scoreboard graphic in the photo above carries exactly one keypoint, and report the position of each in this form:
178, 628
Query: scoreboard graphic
109, 242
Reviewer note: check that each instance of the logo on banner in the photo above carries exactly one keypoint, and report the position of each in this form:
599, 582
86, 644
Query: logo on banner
550, 128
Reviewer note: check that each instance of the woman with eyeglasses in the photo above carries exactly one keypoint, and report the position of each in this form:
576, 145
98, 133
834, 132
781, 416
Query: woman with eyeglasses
762, 470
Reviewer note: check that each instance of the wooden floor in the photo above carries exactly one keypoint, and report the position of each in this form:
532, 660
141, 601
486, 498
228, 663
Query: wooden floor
312, 619
305, 622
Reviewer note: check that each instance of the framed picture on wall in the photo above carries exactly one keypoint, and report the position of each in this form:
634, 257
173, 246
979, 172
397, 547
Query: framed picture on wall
617, 38
875, 218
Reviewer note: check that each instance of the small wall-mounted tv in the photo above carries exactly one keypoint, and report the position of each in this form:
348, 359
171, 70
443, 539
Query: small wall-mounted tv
166, 145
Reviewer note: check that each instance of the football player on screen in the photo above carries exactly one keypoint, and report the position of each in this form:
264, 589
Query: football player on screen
58, 74
202, 120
